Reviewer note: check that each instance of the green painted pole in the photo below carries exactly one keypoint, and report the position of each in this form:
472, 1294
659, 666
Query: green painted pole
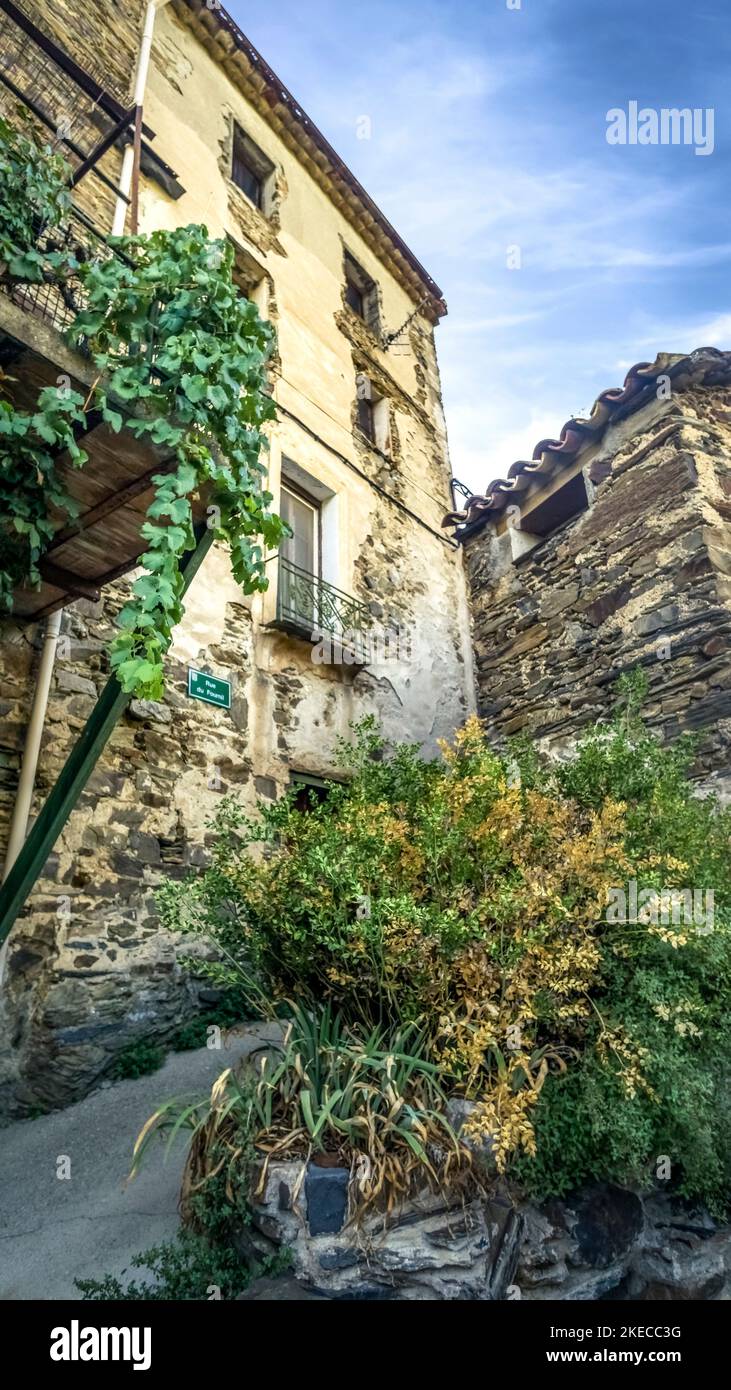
74, 775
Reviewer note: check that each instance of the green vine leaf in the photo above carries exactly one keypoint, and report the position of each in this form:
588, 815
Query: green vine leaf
182, 361
182, 347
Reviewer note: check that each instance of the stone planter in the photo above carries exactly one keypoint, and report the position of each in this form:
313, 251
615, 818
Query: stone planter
601, 1242
429, 1250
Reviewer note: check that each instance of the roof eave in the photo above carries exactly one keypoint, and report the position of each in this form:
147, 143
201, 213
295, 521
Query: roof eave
218, 31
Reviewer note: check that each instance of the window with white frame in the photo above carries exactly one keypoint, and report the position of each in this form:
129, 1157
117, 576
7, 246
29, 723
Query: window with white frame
302, 515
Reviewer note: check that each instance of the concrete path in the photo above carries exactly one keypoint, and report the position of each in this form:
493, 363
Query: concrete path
54, 1230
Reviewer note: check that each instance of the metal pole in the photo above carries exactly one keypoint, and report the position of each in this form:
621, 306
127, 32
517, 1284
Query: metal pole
74, 775
31, 751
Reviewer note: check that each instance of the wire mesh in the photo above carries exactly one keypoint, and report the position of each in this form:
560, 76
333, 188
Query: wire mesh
60, 297
32, 77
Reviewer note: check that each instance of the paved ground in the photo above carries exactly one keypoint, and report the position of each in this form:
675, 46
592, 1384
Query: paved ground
52, 1230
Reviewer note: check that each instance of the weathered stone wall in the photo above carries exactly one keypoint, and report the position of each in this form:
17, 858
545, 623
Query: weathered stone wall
600, 1242
103, 38
641, 578
88, 969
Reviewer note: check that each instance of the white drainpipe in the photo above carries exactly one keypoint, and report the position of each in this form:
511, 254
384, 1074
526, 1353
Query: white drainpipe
31, 754
143, 66
27, 781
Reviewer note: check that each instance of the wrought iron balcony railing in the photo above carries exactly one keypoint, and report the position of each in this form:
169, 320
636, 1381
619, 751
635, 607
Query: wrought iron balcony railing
311, 608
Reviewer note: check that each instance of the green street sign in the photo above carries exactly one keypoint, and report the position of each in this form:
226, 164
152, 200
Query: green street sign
209, 688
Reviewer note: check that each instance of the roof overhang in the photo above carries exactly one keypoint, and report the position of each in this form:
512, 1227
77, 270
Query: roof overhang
224, 41
706, 366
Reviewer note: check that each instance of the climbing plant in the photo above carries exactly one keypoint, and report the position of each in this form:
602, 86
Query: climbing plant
184, 355
177, 344
34, 204
35, 199
30, 445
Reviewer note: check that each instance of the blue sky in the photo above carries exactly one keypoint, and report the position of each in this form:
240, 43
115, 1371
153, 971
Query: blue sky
488, 131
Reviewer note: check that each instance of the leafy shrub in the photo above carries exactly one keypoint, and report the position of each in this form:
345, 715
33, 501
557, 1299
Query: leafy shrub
468, 898
139, 1058
186, 1269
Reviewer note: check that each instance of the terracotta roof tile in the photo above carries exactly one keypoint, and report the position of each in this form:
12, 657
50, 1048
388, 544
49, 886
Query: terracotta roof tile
706, 365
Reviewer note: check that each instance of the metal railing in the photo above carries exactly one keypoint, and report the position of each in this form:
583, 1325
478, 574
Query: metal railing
311, 608
60, 296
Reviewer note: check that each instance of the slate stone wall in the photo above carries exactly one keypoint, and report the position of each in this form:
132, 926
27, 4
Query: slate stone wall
641, 578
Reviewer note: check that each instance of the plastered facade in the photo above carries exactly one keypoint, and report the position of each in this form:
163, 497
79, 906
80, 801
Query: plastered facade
88, 969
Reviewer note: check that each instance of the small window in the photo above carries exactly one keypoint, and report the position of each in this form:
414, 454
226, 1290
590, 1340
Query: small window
561, 506
548, 517
302, 515
251, 170
373, 414
309, 791
361, 293
354, 298
366, 421
251, 279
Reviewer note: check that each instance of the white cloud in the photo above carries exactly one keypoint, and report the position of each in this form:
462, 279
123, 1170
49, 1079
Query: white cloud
476, 148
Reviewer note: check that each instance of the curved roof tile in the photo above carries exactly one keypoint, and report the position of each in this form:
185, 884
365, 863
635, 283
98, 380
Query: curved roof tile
705, 364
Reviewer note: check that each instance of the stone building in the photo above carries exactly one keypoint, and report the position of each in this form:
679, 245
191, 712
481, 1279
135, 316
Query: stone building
611, 549
358, 465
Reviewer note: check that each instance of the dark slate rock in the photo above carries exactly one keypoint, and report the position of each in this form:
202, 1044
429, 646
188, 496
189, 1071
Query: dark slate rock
609, 1219
339, 1259
326, 1191
69, 1037
286, 1290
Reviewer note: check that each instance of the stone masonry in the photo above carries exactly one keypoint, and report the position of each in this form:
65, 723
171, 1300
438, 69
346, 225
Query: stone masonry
640, 578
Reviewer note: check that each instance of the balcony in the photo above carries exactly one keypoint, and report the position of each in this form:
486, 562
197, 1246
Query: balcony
309, 608
72, 109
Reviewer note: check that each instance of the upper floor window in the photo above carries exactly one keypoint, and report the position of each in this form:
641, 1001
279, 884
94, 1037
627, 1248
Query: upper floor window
302, 515
531, 526
366, 421
251, 169
374, 414
251, 278
361, 293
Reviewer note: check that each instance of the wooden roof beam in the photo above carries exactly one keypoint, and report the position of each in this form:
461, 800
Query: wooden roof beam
73, 584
